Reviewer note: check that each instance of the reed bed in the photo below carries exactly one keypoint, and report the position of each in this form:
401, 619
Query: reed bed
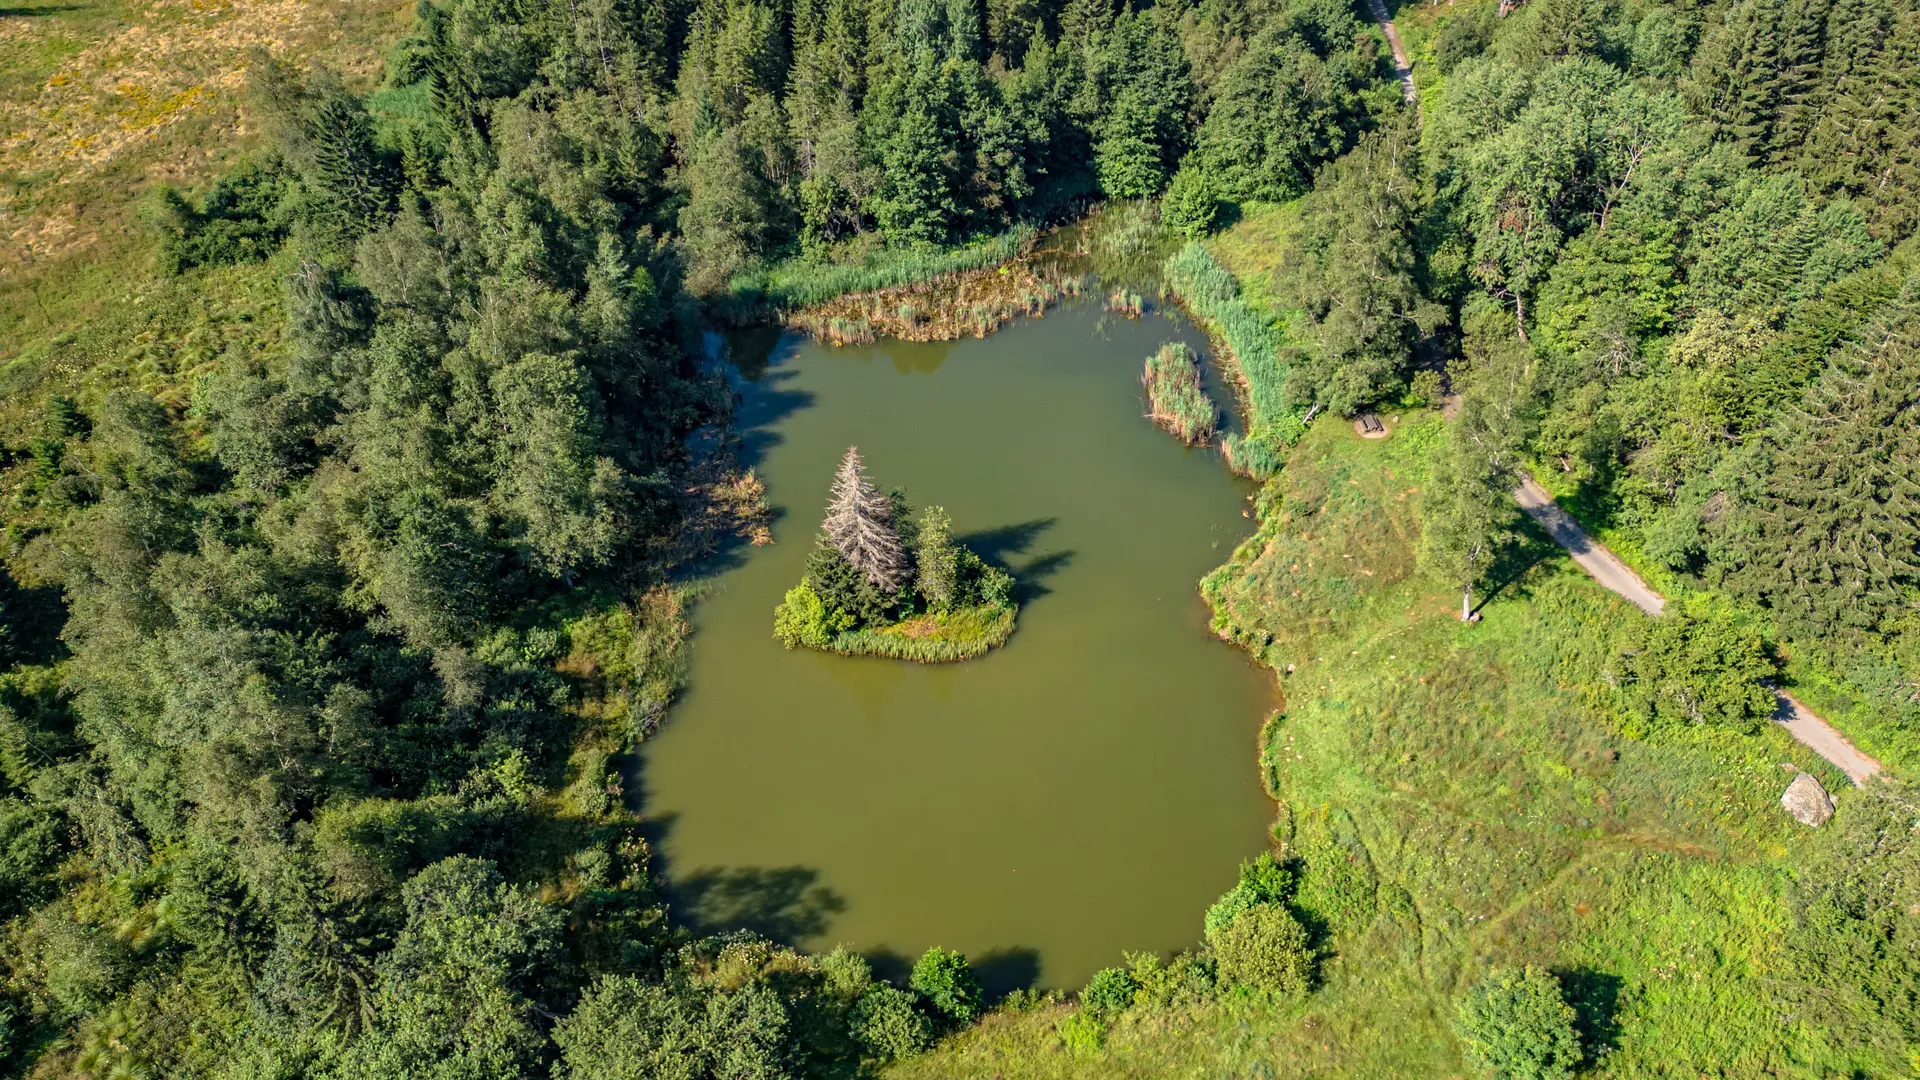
1175, 400
973, 304
800, 283
1130, 304
1254, 457
1212, 297
945, 638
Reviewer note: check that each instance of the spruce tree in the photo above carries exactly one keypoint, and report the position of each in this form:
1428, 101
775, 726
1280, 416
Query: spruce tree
1833, 541
859, 524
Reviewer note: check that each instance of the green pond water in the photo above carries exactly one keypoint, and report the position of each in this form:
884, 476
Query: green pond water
1088, 788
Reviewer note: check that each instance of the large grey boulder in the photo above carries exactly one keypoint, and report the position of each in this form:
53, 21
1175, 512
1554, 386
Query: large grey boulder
1807, 801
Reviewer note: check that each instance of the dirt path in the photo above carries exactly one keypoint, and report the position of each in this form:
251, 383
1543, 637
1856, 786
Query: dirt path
1401, 69
1593, 558
1799, 721
1822, 738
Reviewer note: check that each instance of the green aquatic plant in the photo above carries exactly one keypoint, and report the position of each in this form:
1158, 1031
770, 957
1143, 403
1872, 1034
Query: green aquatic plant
1175, 400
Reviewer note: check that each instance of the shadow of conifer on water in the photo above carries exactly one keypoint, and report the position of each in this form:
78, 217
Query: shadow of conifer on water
998, 547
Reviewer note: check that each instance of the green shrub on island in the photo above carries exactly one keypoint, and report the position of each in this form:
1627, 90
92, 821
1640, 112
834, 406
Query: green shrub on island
872, 587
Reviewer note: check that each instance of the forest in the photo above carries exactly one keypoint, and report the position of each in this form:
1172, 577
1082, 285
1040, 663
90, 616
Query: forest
320, 670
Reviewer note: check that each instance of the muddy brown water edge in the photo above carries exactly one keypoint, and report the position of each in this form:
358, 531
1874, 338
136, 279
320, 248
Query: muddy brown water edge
1084, 790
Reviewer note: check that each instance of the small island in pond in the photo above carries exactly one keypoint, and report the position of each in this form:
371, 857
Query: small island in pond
884, 581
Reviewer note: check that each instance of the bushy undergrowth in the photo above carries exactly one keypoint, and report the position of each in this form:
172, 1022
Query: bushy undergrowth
935, 638
1175, 400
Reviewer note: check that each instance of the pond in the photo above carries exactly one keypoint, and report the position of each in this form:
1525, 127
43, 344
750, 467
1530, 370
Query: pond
1088, 788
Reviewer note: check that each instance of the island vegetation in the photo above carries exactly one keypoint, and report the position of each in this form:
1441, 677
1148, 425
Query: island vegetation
884, 581
349, 499
1175, 400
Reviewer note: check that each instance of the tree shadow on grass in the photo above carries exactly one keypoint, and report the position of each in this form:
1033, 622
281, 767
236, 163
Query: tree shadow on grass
1595, 998
1514, 561
999, 547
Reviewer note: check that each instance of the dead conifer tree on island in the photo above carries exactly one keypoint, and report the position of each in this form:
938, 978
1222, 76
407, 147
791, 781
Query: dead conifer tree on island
859, 524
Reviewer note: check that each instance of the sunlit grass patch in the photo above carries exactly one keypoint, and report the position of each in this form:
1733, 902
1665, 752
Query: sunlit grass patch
933, 637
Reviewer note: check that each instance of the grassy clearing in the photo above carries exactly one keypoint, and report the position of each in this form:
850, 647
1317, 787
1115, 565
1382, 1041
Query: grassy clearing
1174, 398
1249, 250
1461, 796
161, 334
101, 102
933, 638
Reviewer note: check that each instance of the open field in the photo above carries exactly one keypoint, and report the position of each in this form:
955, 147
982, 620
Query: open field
102, 100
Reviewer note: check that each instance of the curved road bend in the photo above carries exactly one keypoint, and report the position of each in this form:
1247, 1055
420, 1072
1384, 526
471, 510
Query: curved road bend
1799, 721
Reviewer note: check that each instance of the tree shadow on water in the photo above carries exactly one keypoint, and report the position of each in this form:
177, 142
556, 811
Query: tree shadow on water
761, 406
1000, 971
782, 903
785, 904
1003, 971
999, 547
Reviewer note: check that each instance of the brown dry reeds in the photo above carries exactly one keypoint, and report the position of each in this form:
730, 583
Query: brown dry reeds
970, 304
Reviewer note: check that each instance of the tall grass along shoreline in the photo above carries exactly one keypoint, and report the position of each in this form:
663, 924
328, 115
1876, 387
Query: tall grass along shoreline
1211, 296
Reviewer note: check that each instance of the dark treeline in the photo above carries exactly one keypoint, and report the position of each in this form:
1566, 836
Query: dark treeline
748, 129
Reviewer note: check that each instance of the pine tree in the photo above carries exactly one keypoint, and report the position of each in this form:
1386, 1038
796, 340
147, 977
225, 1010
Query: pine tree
859, 524
919, 143
1129, 158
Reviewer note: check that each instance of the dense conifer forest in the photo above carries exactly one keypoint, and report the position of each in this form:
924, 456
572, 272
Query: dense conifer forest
321, 666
